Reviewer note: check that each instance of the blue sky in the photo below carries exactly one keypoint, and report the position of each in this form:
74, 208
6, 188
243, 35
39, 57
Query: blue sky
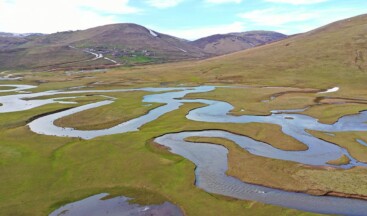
188, 19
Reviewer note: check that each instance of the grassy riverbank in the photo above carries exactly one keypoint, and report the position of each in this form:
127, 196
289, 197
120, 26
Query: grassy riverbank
347, 140
126, 106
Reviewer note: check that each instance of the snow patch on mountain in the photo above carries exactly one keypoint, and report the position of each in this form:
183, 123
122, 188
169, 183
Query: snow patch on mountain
182, 50
153, 33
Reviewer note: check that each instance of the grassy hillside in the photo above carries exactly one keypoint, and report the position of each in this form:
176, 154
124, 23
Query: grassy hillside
124, 43
40, 57
328, 56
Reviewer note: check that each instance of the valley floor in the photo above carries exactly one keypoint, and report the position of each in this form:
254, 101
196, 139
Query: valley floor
40, 173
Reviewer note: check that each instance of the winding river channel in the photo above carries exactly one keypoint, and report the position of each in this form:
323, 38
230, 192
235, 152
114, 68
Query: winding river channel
211, 160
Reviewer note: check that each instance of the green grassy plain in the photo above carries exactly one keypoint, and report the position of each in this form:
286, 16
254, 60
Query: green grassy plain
5, 88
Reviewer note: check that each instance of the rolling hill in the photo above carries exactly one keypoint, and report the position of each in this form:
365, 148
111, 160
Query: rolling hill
220, 44
124, 43
116, 44
124, 38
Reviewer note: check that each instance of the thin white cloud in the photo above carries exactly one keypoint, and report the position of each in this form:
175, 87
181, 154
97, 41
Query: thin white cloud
106, 6
51, 16
223, 1
275, 17
161, 4
297, 2
296, 20
199, 32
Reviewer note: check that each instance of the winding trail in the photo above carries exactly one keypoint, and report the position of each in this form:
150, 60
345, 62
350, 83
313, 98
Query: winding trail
96, 56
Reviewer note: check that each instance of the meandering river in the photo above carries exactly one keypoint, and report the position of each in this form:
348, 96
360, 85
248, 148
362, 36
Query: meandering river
211, 160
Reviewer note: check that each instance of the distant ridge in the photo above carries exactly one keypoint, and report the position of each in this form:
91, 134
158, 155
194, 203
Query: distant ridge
220, 44
18, 35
